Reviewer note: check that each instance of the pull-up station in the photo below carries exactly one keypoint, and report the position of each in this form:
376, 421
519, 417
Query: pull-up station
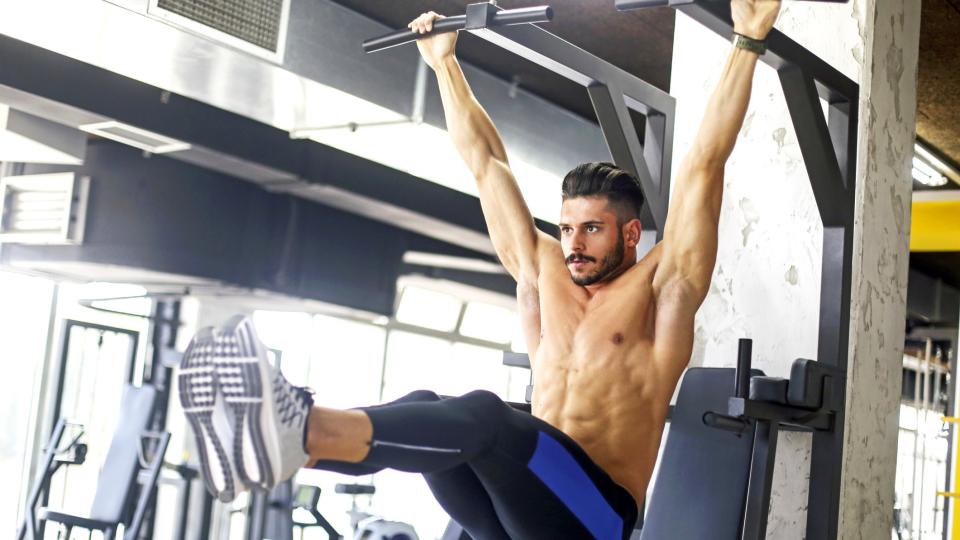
713, 401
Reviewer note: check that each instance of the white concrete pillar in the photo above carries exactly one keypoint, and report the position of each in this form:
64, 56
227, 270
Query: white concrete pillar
767, 280
891, 31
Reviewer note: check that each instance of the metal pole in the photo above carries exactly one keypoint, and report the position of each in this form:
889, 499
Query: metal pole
949, 504
922, 435
916, 450
937, 372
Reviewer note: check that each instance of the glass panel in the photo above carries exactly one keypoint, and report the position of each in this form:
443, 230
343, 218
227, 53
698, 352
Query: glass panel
429, 309
492, 323
24, 318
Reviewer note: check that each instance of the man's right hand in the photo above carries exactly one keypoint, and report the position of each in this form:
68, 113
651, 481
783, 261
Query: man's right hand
435, 49
754, 18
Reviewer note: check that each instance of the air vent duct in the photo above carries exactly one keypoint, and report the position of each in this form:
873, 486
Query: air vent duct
256, 26
43, 208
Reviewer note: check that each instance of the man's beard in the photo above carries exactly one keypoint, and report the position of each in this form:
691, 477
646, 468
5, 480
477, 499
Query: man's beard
609, 265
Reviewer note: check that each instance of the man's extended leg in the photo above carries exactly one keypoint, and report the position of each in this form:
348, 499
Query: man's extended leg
458, 490
540, 483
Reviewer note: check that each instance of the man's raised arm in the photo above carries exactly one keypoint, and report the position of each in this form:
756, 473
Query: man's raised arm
690, 234
512, 231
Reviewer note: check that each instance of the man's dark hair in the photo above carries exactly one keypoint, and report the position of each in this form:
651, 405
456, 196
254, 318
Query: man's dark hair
603, 179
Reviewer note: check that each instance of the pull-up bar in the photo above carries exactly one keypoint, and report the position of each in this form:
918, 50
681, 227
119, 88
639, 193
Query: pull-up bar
478, 16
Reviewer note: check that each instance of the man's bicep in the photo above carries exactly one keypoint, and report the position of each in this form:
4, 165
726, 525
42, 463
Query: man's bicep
677, 306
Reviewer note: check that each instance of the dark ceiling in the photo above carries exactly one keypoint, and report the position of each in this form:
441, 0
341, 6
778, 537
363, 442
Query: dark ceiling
641, 42
938, 84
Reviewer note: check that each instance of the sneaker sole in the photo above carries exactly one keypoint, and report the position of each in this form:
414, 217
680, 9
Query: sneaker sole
197, 390
243, 378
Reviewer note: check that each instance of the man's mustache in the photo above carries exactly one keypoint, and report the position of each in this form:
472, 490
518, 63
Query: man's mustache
577, 257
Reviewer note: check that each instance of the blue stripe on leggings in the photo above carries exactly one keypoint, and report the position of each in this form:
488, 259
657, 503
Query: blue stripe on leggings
556, 468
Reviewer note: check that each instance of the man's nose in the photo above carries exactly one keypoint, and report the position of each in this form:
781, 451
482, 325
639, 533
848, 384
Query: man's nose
576, 241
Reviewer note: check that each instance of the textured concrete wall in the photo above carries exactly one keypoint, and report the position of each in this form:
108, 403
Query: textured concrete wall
766, 283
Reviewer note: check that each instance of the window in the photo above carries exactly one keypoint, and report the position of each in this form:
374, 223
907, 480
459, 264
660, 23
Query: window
25, 304
429, 309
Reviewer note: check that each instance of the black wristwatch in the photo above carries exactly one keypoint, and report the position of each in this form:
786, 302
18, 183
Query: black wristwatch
741, 41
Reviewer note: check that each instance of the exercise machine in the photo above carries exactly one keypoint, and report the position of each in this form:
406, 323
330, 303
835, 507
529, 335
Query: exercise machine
127, 480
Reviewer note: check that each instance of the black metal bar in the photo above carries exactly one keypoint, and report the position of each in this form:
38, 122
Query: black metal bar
725, 422
40, 484
164, 328
761, 479
148, 488
842, 123
658, 152
528, 15
621, 137
744, 360
817, 147
826, 460
763, 410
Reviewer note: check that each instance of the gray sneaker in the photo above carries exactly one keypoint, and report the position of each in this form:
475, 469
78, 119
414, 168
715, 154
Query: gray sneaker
207, 414
269, 413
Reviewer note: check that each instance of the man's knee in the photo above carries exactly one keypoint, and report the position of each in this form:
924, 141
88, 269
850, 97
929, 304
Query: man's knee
483, 403
421, 395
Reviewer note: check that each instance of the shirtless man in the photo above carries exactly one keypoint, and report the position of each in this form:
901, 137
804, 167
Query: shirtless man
608, 340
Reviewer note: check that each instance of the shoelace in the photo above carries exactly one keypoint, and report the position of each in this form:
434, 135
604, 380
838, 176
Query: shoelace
293, 401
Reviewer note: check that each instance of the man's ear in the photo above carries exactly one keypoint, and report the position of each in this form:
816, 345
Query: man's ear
631, 233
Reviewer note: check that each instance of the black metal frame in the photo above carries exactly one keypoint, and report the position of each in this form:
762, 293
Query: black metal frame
829, 149
613, 92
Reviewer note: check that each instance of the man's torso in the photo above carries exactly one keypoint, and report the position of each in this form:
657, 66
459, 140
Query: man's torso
602, 375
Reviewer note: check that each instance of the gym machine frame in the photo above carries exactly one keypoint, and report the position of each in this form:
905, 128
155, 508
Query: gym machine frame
829, 149
828, 145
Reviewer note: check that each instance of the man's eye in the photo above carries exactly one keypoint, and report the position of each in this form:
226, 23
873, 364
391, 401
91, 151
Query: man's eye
592, 228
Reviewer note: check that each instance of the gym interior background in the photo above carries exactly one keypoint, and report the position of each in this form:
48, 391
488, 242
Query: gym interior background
183, 164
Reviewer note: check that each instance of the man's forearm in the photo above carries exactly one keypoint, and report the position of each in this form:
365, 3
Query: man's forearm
726, 110
472, 131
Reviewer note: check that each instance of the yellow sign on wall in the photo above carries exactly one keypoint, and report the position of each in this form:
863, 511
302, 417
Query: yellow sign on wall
935, 226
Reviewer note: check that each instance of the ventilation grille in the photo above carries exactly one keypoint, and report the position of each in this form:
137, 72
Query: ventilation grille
43, 208
136, 137
257, 22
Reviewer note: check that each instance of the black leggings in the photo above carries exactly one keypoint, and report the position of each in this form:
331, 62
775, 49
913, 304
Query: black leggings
500, 473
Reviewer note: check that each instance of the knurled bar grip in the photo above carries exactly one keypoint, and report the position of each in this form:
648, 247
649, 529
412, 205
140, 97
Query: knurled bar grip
530, 15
